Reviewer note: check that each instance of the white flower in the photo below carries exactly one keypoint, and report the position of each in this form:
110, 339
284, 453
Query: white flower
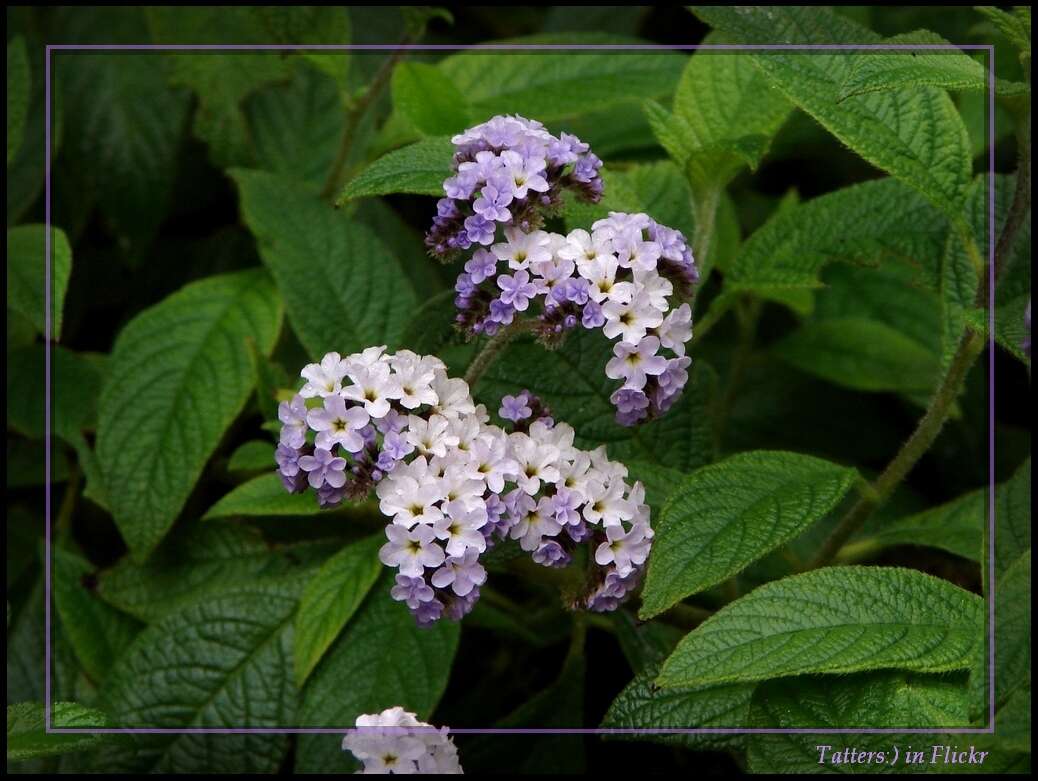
626, 549
410, 495
522, 249
634, 253
602, 285
366, 359
383, 744
373, 387
414, 376
430, 437
324, 378
452, 394
535, 462
411, 550
634, 362
535, 525
677, 329
630, 320
606, 503
337, 425
584, 248
491, 460
527, 173
654, 287
460, 528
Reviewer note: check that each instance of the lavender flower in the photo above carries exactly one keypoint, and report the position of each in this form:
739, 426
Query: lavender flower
395, 741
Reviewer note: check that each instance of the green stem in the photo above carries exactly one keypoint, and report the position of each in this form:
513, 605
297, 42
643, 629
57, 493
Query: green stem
490, 351
922, 438
354, 116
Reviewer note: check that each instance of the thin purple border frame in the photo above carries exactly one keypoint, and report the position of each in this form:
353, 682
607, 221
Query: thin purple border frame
525, 47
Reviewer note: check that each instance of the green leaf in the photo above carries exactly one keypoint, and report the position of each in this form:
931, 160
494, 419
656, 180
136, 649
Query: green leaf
26, 264
254, 456
98, 632
915, 134
865, 223
180, 374
262, 496
1015, 26
554, 85
27, 738
237, 646
330, 599
343, 290
725, 113
1012, 519
641, 705
76, 384
882, 700
418, 169
1013, 630
428, 99
381, 660
188, 564
572, 381
832, 620
860, 354
950, 69
311, 24
296, 127
956, 526
659, 481
19, 89
727, 515
130, 124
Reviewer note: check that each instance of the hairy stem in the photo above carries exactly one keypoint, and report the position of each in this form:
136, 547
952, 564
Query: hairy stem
490, 351
355, 114
922, 438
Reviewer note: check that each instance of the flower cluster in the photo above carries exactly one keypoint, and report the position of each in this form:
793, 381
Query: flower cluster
452, 483
624, 277
508, 171
395, 741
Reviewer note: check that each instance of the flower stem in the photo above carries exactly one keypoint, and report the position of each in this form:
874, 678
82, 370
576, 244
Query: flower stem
490, 351
922, 438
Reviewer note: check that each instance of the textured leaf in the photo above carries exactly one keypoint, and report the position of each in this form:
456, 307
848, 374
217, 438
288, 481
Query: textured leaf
915, 133
950, 69
642, 705
381, 660
76, 380
262, 496
553, 85
180, 373
343, 291
419, 169
19, 88
188, 564
832, 620
1013, 630
874, 700
727, 515
27, 738
572, 381
428, 99
330, 599
254, 456
865, 223
224, 661
860, 354
1012, 519
26, 265
296, 127
130, 124
98, 632
1015, 26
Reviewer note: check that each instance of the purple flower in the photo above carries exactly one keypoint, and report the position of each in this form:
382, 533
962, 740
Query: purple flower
458, 607
329, 496
515, 408
412, 591
462, 573
428, 613
493, 204
292, 415
592, 316
324, 468
288, 460
517, 289
501, 313
551, 554
482, 265
479, 230
565, 506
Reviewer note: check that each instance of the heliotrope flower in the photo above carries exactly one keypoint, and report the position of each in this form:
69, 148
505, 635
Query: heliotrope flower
395, 741
508, 172
452, 484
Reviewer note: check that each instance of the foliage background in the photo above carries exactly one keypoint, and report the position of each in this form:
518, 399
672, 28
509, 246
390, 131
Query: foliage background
205, 169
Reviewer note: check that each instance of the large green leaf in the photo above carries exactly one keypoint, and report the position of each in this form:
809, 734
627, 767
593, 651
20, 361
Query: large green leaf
19, 90
832, 620
428, 99
915, 133
383, 659
951, 69
1012, 519
98, 632
883, 700
76, 381
864, 223
180, 373
129, 127
727, 515
343, 290
572, 381
725, 113
331, 598
223, 661
262, 496
419, 168
643, 705
27, 737
553, 85
26, 266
